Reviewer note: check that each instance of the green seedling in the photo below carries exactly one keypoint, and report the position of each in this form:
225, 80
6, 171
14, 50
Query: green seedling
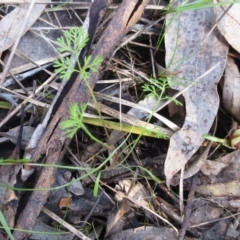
75, 122
73, 41
157, 88
97, 184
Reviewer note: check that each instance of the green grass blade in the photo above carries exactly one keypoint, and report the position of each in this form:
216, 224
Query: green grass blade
96, 185
5, 226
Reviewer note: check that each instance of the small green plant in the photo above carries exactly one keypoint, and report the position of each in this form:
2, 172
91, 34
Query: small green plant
157, 88
73, 41
75, 122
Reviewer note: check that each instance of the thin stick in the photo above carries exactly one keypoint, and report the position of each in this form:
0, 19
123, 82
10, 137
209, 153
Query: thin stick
65, 224
26, 100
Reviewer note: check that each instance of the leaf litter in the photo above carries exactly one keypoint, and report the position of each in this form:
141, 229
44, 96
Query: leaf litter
193, 53
196, 55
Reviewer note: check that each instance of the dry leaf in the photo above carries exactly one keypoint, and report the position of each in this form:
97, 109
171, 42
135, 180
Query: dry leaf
222, 180
143, 233
219, 231
231, 88
190, 51
220, 189
27, 52
229, 25
227, 201
121, 217
213, 168
12, 22
13, 133
42, 231
199, 210
65, 203
138, 192
223, 169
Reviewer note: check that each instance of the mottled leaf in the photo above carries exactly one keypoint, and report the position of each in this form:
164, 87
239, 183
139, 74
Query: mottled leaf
192, 50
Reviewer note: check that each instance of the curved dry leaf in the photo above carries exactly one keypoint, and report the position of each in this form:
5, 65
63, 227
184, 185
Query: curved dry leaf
190, 51
222, 179
231, 89
12, 22
12, 135
27, 51
229, 25
212, 168
222, 169
138, 192
220, 189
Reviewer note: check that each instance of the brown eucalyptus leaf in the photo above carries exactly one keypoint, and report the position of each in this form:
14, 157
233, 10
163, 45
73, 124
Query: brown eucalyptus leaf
231, 89
229, 25
192, 52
